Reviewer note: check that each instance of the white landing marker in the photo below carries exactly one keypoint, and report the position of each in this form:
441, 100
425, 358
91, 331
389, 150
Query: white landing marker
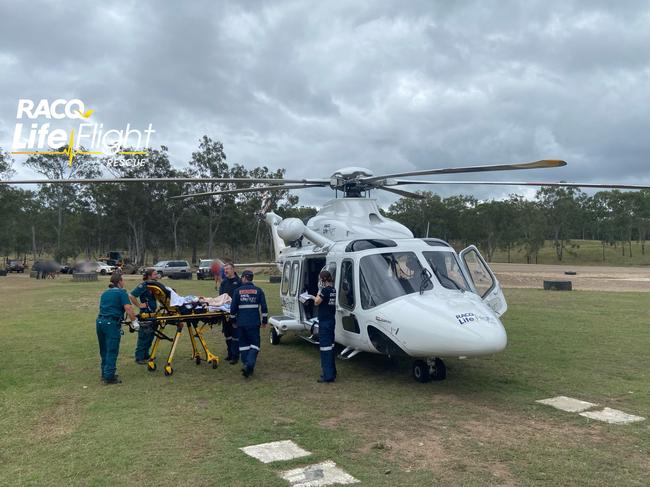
275, 451
613, 416
567, 404
325, 473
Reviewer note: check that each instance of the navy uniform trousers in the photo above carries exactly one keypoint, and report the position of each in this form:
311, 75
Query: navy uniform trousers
249, 345
231, 334
326, 343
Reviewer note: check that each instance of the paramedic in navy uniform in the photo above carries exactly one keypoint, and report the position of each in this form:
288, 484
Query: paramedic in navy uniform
229, 283
326, 301
245, 310
147, 303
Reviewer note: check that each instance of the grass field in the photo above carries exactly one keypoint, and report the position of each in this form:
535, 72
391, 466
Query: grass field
581, 252
59, 426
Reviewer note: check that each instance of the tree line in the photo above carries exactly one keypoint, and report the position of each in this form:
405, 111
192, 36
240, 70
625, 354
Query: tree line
74, 221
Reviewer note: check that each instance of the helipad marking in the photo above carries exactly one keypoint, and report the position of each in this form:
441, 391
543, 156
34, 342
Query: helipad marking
275, 451
319, 474
567, 404
613, 416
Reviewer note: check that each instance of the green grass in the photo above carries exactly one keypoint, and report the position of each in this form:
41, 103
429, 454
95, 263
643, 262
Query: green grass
59, 426
581, 252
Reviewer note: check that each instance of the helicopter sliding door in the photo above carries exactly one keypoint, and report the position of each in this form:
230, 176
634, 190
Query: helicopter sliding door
483, 280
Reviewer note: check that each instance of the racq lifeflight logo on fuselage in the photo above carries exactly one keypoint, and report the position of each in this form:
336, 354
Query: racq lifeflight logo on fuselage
36, 133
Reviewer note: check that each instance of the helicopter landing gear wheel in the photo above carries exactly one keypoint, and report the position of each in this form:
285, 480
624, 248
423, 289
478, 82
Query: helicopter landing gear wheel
421, 371
274, 337
437, 369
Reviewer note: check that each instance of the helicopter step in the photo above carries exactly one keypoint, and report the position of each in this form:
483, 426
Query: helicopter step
348, 352
313, 339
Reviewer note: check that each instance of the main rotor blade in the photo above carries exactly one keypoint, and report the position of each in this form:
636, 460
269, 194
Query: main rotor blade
528, 183
401, 192
165, 180
454, 170
247, 190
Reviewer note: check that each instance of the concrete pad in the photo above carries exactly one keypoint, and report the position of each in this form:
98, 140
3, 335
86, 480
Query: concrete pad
613, 416
275, 451
567, 404
325, 473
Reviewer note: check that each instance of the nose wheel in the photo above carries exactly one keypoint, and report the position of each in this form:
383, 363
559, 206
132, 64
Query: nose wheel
430, 369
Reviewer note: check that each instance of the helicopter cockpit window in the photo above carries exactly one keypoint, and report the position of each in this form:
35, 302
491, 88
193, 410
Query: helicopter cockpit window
446, 268
286, 272
384, 277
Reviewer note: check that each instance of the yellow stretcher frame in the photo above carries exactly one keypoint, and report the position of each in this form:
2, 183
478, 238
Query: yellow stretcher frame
196, 324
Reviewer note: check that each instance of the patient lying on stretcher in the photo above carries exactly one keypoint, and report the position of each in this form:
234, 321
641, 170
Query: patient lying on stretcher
221, 302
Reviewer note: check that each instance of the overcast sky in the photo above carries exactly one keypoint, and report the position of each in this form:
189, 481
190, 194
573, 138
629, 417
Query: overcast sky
315, 86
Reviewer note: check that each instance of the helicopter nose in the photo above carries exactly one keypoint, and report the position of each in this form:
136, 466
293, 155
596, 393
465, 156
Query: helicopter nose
431, 326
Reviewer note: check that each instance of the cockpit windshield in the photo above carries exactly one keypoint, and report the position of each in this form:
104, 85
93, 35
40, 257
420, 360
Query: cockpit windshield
383, 277
446, 268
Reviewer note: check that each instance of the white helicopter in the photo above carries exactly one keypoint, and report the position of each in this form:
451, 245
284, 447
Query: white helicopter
396, 294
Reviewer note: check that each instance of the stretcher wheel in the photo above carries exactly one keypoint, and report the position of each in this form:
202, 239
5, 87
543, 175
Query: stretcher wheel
215, 363
168, 370
198, 360
151, 366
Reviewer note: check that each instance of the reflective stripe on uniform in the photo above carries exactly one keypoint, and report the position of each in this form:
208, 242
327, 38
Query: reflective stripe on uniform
234, 339
228, 338
243, 349
248, 306
327, 349
255, 347
265, 315
232, 317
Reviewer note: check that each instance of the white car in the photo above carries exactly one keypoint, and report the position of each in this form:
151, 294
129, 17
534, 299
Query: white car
167, 267
100, 268
205, 268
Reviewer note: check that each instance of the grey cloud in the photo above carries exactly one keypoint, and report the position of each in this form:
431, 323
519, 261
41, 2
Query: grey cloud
316, 86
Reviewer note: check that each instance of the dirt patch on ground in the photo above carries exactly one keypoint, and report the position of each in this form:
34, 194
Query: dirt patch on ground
587, 278
59, 420
342, 419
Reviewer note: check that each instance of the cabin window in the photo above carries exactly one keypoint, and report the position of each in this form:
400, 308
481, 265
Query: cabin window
286, 272
295, 277
346, 286
384, 277
446, 268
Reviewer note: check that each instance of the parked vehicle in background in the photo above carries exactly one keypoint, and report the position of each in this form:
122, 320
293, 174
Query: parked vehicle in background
15, 266
205, 268
98, 267
168, 267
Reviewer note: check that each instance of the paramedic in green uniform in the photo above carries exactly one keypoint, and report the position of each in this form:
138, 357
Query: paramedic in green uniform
147, 303
112, 305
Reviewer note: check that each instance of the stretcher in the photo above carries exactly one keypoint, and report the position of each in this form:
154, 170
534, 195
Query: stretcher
197, 316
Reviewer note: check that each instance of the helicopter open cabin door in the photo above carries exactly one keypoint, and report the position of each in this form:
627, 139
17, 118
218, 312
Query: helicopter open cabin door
483, 280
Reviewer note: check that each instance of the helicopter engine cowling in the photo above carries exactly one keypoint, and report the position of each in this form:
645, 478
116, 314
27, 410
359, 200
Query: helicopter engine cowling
291, 229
